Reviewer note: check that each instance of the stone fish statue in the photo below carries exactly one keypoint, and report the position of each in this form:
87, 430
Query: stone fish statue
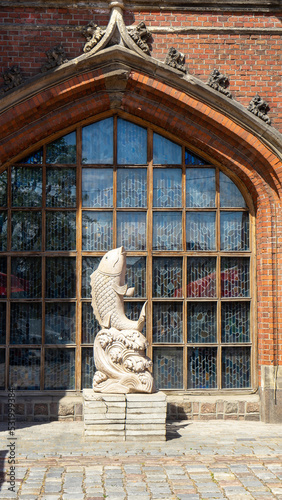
119, 347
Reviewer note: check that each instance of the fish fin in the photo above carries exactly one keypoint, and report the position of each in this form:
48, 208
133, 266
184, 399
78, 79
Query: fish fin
130, 292
120, 290
106, 320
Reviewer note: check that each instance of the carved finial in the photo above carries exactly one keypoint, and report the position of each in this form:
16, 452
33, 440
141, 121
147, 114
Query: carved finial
219, 82
93, 34
259, 107
12, 78
176, 60
140, 34
55, 57
114, 3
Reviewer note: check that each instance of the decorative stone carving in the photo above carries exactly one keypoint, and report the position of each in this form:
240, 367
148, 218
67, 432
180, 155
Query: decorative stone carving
259, 108
119, 347
12, 78
55, 57
219, 82
93, 34
140, 34
176, 60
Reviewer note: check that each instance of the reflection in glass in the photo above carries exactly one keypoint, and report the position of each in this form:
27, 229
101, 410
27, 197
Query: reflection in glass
62, 150
200, 187
60, 231
202, 368
192, 159
166, 152
61, 187
230, 196
201, 277
2, 322
234, 231
131, 230
200, 231
3, 189
89, 265
87, 368
34, 159
97, 230
2, 369
167, 191
26, 231
167, 231
26, 323
90, 326
97, 187
136, 275
235, 322
26, 277
97, 142
3, 277
3, 231
132, 187
60, 323
131, 143
59, 369
132, 311
60, 277
236, 367
26, 187
167, 322
24, 370
167, 277
235, 277
201, 326
168, 367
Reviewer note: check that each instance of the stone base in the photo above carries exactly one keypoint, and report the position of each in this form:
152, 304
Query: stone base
124, 417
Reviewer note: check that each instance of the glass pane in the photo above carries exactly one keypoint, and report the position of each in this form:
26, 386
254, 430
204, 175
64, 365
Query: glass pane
167, 322
97, 187
60, 231
200, 187
131, 143
97, 142
235, 277
89, 265
168, 367
26, 231
236, 367
167, 231
59, 323
167, 277
131, 230
3, 189
26, 277
2, 322
201, 277
136, 275
132, 187
166, 152
192, 159
200, 231
234, 231
61, 187
59, 369
3, 277
26, 323
34, 159
90, 326
60, 277
24, 372
235, 322
167, 192
132, 311
230, 196
2, 369
26, 187
202, 368
3, 231
201, 322
87, 368
62, 150
97, 230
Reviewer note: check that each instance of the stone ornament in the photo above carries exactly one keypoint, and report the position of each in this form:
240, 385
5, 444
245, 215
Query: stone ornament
119, 347
55, 57
259, 107
93, 34
219, 82
140, 34
176, 59
12, 78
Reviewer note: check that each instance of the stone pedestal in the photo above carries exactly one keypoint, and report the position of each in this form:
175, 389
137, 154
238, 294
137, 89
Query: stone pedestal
124, 417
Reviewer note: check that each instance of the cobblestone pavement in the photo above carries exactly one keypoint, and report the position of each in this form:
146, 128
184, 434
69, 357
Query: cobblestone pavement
200, 460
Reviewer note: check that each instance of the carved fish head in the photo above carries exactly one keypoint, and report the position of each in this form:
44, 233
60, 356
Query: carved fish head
114, 262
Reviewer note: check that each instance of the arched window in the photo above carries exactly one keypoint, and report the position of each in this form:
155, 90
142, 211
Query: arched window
186, 228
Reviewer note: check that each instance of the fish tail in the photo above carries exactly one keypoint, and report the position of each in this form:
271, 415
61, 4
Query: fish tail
142, 317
